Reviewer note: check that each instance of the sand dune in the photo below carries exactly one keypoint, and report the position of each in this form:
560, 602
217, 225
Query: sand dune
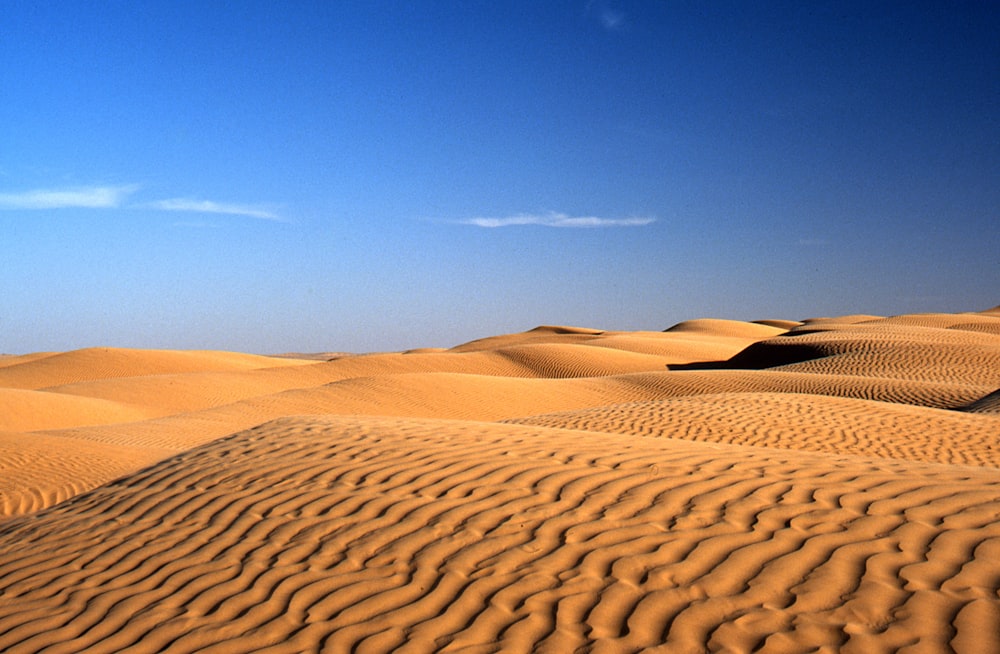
26, 410
800, 422
104, 363
39, 470
986, 404
830, 484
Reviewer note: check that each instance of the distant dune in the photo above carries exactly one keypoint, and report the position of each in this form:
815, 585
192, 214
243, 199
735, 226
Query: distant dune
820, 485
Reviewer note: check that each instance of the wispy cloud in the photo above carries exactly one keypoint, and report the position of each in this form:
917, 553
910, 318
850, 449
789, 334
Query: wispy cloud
86, 197
209, 206
558, 220
611, 19
119, 197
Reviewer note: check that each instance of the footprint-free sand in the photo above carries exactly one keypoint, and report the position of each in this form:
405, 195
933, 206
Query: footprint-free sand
827, 485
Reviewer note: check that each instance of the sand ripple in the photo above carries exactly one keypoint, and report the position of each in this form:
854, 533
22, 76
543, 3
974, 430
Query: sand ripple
358, 534
779, 486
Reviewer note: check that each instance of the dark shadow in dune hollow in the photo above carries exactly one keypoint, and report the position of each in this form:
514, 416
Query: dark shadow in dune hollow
758, 356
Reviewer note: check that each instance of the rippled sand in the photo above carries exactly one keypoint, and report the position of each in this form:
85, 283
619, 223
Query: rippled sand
779, 486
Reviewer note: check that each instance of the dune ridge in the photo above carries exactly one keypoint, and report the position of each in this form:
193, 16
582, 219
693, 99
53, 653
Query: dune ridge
829, 484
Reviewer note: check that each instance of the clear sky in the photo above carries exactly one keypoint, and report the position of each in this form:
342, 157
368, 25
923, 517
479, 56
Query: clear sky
381, 175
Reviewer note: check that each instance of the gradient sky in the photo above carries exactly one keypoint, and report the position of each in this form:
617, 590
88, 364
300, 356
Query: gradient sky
360, 176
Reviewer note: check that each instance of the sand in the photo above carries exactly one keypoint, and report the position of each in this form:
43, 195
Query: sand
821, 485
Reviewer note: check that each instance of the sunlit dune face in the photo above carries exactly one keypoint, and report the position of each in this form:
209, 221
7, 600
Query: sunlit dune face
778, 485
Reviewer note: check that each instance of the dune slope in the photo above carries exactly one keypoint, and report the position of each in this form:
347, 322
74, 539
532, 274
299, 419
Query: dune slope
397, 535
779, 486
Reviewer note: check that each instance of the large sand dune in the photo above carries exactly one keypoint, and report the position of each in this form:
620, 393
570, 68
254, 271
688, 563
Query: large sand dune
779, 486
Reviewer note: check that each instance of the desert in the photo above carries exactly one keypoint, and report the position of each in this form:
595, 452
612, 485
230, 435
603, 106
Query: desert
784, 485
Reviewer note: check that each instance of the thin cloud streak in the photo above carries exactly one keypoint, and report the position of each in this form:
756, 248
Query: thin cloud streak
115, 197
208, 206
612, 20
558, 220
90, 197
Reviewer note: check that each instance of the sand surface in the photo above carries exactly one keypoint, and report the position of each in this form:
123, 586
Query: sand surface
823, 485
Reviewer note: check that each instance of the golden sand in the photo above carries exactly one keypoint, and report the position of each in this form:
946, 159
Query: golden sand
779, 486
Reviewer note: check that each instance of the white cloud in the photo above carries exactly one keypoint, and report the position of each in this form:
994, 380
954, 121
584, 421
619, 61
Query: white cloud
558, 220
115, 197
208, 206
89, 197
612, 19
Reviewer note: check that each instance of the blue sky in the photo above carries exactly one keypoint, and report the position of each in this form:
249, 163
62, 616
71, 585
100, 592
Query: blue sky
359, 176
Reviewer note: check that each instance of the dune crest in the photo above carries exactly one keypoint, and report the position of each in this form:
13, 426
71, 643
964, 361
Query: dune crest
781, 486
